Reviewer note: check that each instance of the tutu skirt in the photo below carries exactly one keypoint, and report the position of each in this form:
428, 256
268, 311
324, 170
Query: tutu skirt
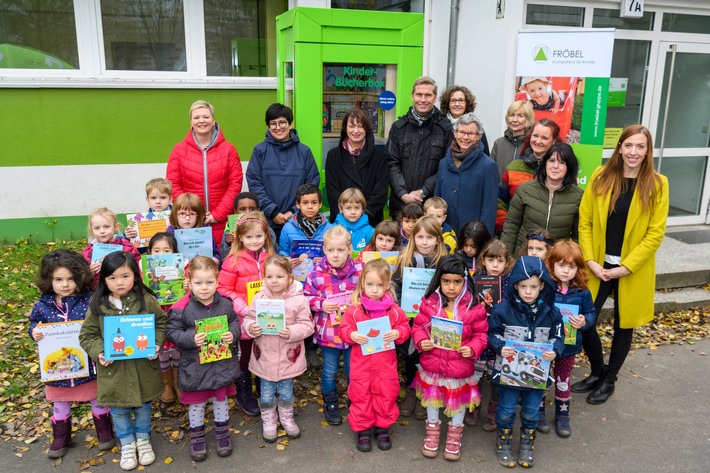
453, 394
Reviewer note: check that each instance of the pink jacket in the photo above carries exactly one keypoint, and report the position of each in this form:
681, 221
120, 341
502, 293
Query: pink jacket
236, 273
127, 247
272, 357
450, 363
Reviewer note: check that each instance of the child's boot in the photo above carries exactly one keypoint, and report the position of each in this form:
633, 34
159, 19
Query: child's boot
104, 431
224, 438
452, 451
61, 434
419, 410
168, 394
244, 398
562, 426
543, 426
175, 383
287, 421
129, 459
363, 442
198, 449
430, 449
146, 456
269, 417
382, 438
330, 408
471, 418
526, 455
504, 447
490, 424
409, 403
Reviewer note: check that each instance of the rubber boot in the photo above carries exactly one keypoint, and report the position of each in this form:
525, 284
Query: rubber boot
590, 383
269, 418
471, 418
409, 403
562, 426
490, 423
452, 451
286, 419
330, 408
104, 431
168, 394
543, 425
244, 397
504, 448
526, 455
430, 449
603, 392
224, 438
198, 448
61, 434
175, 382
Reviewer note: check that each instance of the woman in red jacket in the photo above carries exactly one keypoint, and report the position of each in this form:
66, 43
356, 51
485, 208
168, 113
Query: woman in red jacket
206, 164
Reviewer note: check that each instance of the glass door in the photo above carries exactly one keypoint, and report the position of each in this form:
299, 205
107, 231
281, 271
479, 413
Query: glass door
681, 112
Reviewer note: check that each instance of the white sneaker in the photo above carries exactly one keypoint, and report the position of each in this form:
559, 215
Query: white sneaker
145, 452
128, 456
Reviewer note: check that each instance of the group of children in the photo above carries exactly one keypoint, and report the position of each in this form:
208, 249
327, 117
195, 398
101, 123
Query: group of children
337, 294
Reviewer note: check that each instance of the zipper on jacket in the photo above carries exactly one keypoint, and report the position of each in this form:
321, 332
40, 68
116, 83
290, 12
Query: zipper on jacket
549, 209
205, 179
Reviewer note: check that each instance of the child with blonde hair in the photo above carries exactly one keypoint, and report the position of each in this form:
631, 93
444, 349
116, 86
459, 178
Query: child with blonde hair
159, 196
437, 207
352, 216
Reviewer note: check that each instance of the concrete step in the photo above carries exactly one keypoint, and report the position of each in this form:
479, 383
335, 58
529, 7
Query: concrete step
680, 279
668, 301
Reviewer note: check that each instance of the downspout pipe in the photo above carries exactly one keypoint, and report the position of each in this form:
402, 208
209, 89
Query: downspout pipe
453, 35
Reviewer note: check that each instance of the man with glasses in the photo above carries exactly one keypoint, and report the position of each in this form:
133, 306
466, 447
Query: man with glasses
416, 144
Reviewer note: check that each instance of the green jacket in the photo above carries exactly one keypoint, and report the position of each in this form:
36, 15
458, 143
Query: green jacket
531, 208
125, 383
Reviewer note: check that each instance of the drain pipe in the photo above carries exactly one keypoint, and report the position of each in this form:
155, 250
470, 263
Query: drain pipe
453, 35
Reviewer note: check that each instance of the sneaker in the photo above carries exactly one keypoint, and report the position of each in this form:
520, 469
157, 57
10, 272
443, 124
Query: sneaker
128, 456
363, 442
382, 437
145, 452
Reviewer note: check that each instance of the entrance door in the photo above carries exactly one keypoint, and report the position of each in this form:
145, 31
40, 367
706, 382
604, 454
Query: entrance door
681, 112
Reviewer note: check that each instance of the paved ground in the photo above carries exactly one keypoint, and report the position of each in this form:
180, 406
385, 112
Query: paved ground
658, 421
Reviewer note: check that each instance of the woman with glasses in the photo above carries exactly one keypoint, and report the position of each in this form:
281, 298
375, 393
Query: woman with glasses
550, 201
207, 165
456, 101
279, 165
467, 178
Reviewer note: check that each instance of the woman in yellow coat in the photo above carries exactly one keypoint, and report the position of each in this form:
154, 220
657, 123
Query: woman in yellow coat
622, 222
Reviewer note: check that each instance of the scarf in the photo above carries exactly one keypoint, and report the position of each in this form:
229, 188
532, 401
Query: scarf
309, 227
420, 118
354, 152
460, 154
377, 309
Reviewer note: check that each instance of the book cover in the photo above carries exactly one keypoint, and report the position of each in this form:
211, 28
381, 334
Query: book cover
305, 250
570, 332
253, 288
342, 300
147, 224
194, 241
488, 291
214, 348
165, 275
389, 256
446, 333
414, 284
375, 330
60, 355
231, 226
100, 250
270, 315
128, 337
527, 368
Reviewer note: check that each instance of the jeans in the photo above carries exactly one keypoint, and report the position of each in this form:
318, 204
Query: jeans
270, 388
331, 360
530, 404
127, 430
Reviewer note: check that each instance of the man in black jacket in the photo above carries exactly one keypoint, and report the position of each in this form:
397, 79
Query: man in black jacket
416, 144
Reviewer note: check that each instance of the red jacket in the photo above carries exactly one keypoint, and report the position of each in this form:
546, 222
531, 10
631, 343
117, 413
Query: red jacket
224, 175
450, 363
237, 271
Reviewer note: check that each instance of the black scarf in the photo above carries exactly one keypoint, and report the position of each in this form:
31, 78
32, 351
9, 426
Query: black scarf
309, 227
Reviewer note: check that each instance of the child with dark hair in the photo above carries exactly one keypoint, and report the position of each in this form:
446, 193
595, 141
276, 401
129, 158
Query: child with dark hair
473, 237
408, 217
307, 224
244, 203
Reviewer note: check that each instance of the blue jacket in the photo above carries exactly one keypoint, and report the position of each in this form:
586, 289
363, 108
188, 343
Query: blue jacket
292, 231
583, 299
470, 190
513, 319
360, 231
46, 311
276, 170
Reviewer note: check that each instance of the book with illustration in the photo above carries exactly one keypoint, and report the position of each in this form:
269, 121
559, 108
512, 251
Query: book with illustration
165, 275
389, 256
526, 368
414, 284
147, 224
101, 250
488, 291
446, 333
306, 251
214, 348
128, 337
194, 241
375, 330
270, 315
342, 300
570, 332
60, 355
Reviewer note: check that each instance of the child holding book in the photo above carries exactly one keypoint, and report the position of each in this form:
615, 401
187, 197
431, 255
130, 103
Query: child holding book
244, 203
568, 269
202, 380
188, 212
307, 224
243, 268
374, 381
122, 292
159, 197
473, 237
437, 207
65, 283
407, 218
527, 315
386, 237
446, 377
328, 288
279, 358
351, 205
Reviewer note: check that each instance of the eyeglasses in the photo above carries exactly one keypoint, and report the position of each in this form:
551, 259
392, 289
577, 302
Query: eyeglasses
457, 101
467, 134
187, 214
278, 124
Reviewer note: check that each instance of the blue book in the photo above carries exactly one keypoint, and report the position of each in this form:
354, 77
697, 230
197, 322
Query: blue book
128, 337
305, 250
527, 368
194, 241
375, 330
100, 250
414, 284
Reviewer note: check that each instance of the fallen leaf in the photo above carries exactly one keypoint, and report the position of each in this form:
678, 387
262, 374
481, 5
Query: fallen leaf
324, 423
404, 422
168, 460
57, 461
280, 447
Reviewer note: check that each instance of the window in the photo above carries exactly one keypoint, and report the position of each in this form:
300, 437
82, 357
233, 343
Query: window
38, 35
679, 23
604, 18
552, 15
411, 6
628, 66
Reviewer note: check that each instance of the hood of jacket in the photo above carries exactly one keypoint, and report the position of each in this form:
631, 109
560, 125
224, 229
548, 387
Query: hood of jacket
215, 141
282, 144
463, 301
525, 268
361, 223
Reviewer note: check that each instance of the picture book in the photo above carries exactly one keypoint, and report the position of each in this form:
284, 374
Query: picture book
527, 368
570, 332
194, 241
270, 315
253, 288
147, 224
389, 256
305, 250
165, 275
128, 337
214, 348
342, 300
100, 250
375, 330
231, 226
488, 291
60, 355
446, 333
414, 284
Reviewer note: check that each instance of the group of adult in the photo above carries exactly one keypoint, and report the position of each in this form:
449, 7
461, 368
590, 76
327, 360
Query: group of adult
528, 181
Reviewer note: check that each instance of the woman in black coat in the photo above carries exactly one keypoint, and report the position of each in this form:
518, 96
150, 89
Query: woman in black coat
356, 162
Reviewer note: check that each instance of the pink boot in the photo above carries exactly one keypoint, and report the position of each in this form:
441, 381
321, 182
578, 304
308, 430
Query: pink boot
269, 418
286, 419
